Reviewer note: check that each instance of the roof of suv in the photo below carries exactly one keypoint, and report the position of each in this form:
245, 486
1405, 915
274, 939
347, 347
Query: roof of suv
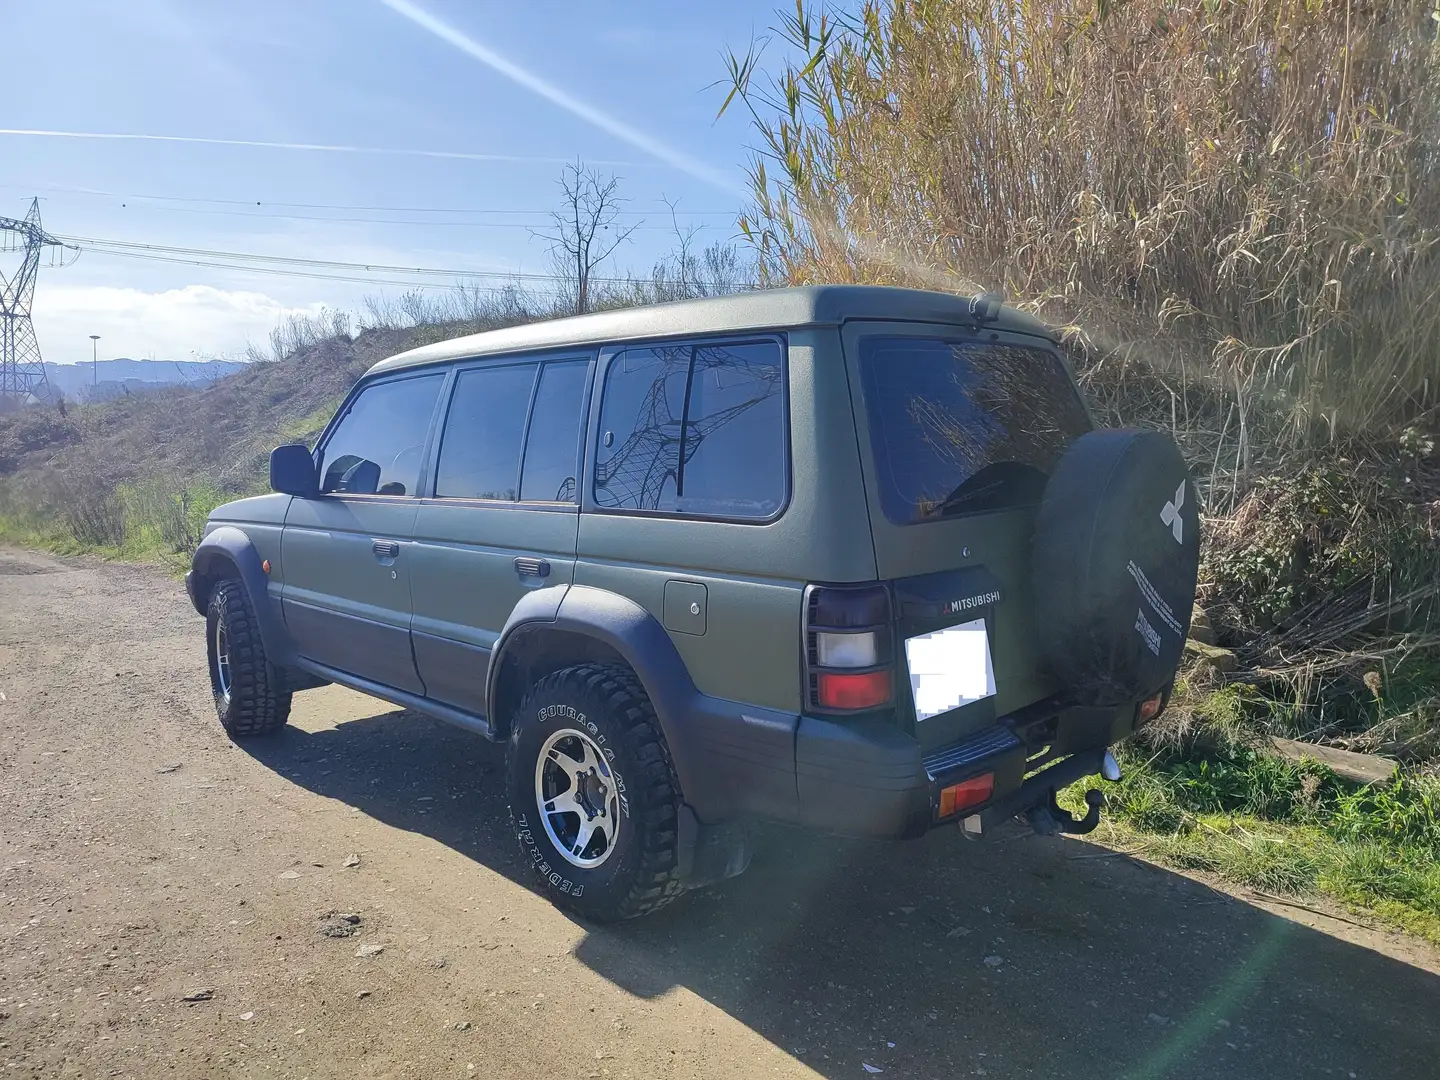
762, 309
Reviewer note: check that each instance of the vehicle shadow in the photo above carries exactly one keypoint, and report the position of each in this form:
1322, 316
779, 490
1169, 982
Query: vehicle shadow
938, 957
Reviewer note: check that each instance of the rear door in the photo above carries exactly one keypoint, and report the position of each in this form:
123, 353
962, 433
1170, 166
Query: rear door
346, 552
959, 428
500, 515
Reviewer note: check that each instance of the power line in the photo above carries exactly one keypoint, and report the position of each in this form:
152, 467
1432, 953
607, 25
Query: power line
260, 215
99, 243
313, 275
348, 206
334, 270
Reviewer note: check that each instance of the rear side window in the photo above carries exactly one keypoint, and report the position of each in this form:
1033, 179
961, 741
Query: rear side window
377, 446
959, 427
695, 429
480, 451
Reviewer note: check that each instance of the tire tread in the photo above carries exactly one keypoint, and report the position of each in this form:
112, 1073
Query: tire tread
259, 699
656, 789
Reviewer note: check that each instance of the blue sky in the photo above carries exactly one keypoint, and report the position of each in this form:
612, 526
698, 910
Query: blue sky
626, 87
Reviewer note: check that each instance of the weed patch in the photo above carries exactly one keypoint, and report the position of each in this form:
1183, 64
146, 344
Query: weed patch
1284, 828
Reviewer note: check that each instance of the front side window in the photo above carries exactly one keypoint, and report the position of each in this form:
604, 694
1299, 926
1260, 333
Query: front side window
960, 427
377, 446
480, 450
694, 429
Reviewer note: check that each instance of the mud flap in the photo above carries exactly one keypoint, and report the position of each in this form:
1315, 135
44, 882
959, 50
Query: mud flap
709, 854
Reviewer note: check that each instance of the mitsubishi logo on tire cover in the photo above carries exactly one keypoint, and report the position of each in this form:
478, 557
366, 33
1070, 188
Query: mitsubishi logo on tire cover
1171, 514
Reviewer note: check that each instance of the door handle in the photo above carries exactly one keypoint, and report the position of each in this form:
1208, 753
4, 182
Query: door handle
532, 568
385, 549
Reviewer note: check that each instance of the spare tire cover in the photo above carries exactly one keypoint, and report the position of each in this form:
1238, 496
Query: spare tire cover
1115, 558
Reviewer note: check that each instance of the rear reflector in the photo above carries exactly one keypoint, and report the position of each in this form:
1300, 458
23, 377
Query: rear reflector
1149, 709
966, 794
861, 691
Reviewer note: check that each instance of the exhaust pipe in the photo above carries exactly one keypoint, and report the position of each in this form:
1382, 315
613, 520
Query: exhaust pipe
1110, 768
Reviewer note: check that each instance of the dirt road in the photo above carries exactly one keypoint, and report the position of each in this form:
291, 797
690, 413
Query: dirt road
144, 858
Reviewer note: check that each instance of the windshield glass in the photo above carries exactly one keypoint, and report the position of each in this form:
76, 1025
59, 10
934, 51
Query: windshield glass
959, 427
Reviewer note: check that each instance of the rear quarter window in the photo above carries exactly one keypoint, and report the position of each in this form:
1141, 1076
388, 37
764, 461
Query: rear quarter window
695, 430
960, 427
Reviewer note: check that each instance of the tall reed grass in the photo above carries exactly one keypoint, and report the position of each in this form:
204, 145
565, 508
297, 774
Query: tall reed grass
1247, 190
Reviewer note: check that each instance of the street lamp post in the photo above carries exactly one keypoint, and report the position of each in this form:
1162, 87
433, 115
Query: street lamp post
94, 360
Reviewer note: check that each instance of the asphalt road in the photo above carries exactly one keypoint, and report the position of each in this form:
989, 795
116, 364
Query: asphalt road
144, 858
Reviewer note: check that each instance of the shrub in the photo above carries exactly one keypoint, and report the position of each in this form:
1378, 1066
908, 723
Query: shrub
166, 514
84, 499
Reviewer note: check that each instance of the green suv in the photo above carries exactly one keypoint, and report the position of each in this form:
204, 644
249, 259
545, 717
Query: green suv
846, 557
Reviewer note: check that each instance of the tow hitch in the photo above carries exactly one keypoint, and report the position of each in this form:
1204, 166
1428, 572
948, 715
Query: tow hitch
1050, 817
1035, 801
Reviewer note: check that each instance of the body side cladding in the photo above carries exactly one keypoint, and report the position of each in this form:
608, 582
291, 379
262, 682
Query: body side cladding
227, 552
731, 760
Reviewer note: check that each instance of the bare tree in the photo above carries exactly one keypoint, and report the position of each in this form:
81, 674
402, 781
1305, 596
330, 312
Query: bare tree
686, 283
585, 232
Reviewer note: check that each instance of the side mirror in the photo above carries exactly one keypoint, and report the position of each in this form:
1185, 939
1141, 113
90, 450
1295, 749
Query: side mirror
292, 471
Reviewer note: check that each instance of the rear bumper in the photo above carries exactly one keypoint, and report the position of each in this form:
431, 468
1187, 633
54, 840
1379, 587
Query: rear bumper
870, 779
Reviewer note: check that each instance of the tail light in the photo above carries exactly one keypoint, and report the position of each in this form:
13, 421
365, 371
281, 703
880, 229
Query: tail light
848, 647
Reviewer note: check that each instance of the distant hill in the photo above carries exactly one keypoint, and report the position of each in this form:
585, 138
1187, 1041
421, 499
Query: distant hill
76, 381
222, 428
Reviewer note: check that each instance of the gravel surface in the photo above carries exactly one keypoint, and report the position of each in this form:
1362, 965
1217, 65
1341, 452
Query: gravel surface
345, 900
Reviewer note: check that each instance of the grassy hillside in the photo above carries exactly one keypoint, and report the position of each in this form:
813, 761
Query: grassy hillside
137, 476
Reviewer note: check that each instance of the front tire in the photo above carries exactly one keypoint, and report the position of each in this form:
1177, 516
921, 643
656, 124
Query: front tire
250, 694
593, 794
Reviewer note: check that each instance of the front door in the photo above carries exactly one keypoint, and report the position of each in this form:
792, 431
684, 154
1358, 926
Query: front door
501, 518
347, 552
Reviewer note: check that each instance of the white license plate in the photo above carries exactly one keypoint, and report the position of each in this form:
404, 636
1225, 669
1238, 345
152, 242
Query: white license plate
949, 668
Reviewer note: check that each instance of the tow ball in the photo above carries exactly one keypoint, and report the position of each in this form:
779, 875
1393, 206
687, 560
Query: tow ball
1050, 817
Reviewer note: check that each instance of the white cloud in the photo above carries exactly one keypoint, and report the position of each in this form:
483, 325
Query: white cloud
175, 324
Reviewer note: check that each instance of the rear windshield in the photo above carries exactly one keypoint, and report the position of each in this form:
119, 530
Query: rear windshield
960, 427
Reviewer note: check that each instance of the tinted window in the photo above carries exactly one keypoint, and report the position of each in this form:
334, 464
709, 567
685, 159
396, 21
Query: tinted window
961, 427
644, 403
377, 446
480, 450
552, 447
694, 430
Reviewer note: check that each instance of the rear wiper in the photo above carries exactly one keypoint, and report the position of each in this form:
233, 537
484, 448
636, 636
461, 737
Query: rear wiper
962, 495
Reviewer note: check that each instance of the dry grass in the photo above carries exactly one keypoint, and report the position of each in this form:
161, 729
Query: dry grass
1247, 191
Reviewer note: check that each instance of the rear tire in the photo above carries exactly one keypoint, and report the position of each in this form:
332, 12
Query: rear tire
250, 693
593, 794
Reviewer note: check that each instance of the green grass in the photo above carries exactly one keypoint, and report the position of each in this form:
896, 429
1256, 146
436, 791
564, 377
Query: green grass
148, 521
1284, 828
